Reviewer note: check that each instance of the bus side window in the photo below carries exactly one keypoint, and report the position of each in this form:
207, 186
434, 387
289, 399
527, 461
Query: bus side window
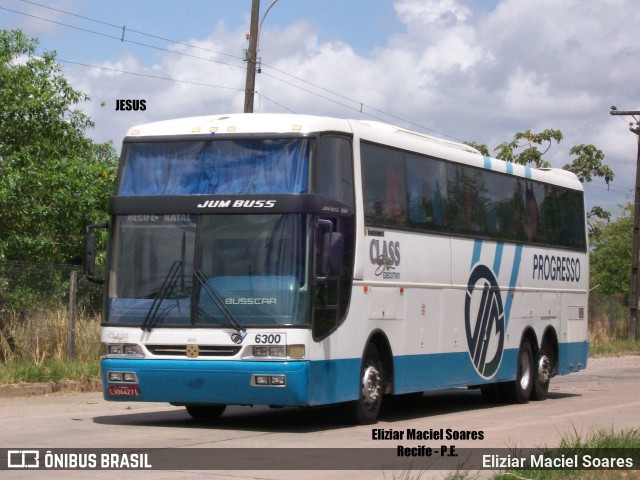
427, 189
384, 181
334, 169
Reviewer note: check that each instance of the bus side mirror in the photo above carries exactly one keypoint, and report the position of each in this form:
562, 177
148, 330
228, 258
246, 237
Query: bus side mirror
332, 254
89, 266
330, 251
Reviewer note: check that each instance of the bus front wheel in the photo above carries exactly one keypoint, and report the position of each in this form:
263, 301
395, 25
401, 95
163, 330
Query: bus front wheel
366, 409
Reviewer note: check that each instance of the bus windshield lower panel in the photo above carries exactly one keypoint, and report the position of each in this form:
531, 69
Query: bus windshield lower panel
254, 265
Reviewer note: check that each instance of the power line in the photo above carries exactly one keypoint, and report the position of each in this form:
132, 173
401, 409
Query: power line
360, 105
157, 77
86, 30
120, 27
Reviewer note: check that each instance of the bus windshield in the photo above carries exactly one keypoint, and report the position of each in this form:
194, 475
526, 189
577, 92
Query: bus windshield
256, 264
215, 166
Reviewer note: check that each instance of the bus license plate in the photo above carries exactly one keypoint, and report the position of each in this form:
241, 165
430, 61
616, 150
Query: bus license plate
124, 390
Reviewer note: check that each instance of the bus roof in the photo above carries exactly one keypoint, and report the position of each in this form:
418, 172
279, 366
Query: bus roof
241, 123
392, 135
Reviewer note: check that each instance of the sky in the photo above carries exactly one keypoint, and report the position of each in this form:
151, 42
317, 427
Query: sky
467, 70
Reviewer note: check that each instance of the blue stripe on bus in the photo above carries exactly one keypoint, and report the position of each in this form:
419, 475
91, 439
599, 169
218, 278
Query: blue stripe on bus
309, 382
477, 249
515, 269
447, 370
497, 260
497, 263
487, 162
509, 168
527, 172
573, 357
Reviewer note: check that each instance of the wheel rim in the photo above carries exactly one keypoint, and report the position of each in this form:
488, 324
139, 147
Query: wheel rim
525, 372
544, 369
371, 385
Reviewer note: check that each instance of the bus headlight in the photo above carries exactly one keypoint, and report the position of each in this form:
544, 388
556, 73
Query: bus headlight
268, 381
277, 352
122, 377
260, 351
129, 349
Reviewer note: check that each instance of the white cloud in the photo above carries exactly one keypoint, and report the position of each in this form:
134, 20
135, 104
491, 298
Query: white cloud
33, 22
422, 15
474, 75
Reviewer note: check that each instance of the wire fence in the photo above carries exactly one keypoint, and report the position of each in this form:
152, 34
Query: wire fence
608, 317
25, 286
40, 305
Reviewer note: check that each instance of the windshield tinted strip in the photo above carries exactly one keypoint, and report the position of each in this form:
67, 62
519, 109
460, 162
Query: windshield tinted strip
218, 204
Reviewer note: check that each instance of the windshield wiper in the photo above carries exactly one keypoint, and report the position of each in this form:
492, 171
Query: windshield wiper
215, 297
168, 284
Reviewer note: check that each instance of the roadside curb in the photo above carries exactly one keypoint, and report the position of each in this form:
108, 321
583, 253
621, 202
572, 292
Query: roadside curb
28, 389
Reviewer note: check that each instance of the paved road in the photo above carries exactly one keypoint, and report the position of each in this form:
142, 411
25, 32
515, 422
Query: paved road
604, 396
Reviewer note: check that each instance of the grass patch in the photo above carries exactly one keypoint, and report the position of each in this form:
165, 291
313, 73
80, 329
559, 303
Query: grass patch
598, 439
609, 329
40, 348
48, 371
615, 346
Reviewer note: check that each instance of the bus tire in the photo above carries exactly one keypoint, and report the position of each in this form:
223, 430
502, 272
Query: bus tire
366, 409
542, 369
205, 412
520, 390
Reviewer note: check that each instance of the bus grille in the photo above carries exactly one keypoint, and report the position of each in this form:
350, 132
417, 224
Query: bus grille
203, 350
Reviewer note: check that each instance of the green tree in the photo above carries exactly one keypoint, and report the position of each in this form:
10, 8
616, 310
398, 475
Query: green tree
611, 253
588, 164
55, 180
525, 149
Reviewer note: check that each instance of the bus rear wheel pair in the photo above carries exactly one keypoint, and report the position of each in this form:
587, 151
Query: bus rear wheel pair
532, 379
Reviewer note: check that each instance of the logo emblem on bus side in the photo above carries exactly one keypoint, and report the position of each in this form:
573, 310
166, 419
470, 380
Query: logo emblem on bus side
238, 337
484, 321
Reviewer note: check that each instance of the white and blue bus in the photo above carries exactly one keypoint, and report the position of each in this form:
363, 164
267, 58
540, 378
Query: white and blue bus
287, 260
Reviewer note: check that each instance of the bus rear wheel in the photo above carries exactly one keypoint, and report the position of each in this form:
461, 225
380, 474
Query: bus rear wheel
543, 369
520, 390
205, 412
366, 409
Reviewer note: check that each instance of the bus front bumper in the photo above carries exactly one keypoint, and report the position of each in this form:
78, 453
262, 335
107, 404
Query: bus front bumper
207, 382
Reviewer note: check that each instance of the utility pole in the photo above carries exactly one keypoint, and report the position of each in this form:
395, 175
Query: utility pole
634, 293
252, 54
